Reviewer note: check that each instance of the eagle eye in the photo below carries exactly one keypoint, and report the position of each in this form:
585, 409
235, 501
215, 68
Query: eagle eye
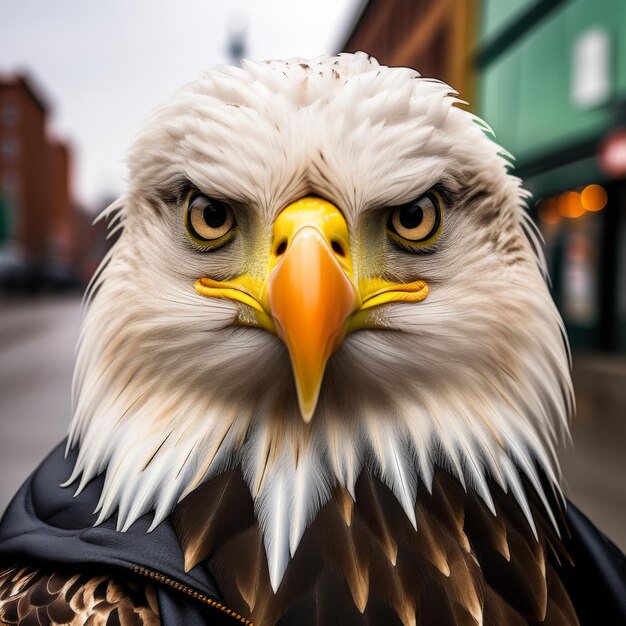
209, 222
418, 222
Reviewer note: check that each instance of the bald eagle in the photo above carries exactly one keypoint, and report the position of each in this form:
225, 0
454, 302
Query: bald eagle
320, 378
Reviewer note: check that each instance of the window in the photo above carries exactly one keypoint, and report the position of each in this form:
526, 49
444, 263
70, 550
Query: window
10, 114
10, 184
10, 148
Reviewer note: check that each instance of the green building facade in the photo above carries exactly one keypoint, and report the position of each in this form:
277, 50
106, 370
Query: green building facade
551, 81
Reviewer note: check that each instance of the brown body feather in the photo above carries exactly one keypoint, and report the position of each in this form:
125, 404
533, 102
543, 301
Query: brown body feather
31, 596
362, 562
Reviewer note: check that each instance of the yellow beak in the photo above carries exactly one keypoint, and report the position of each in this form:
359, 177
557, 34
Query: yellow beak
309, 295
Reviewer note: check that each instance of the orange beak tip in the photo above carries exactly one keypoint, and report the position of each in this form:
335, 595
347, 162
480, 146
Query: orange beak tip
311, 299
307, 409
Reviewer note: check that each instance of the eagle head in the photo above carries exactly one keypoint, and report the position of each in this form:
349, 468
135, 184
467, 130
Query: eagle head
324, 267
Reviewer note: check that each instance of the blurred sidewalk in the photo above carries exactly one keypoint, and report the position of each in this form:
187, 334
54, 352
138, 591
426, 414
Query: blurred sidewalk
594, 467
37, 339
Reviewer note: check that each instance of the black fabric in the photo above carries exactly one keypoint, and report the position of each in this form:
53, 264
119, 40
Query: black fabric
44, 523
597, 582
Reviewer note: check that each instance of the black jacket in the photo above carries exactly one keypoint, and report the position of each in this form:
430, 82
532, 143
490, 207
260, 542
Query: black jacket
46, 524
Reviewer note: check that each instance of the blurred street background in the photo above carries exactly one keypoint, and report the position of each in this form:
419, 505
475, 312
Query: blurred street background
78, 79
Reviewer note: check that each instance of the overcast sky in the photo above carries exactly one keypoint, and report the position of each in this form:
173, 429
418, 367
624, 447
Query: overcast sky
103, 66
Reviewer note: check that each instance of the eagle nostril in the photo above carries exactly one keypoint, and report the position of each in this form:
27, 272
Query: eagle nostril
281, 247
337, 248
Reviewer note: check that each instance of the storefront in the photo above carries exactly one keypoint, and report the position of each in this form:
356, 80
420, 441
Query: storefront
552, 83
584, 229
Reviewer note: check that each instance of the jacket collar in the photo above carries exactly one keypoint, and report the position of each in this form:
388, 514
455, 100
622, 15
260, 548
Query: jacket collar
45, 522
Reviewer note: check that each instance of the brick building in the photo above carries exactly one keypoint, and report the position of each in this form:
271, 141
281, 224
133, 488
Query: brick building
62, 240
36, 206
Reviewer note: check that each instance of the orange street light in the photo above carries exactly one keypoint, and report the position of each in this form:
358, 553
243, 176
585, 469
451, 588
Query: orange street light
548, 211
570, 205
593, 197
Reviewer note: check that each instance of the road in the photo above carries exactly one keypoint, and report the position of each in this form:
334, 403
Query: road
594, 467
37, 339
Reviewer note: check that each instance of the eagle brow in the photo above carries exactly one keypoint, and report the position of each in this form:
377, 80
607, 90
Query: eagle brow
174, 191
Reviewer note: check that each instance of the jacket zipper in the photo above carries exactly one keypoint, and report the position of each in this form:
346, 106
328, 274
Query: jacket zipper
174, 584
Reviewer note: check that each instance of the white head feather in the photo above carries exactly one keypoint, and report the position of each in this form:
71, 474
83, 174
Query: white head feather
170, 391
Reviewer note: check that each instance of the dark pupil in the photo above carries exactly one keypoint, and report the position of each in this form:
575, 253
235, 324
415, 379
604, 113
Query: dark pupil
411, 216
214, 215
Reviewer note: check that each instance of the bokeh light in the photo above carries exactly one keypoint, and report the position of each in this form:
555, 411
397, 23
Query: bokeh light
570, 205
548, 211
593, 197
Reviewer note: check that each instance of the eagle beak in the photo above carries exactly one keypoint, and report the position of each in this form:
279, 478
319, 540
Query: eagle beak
310, 290
309, 295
